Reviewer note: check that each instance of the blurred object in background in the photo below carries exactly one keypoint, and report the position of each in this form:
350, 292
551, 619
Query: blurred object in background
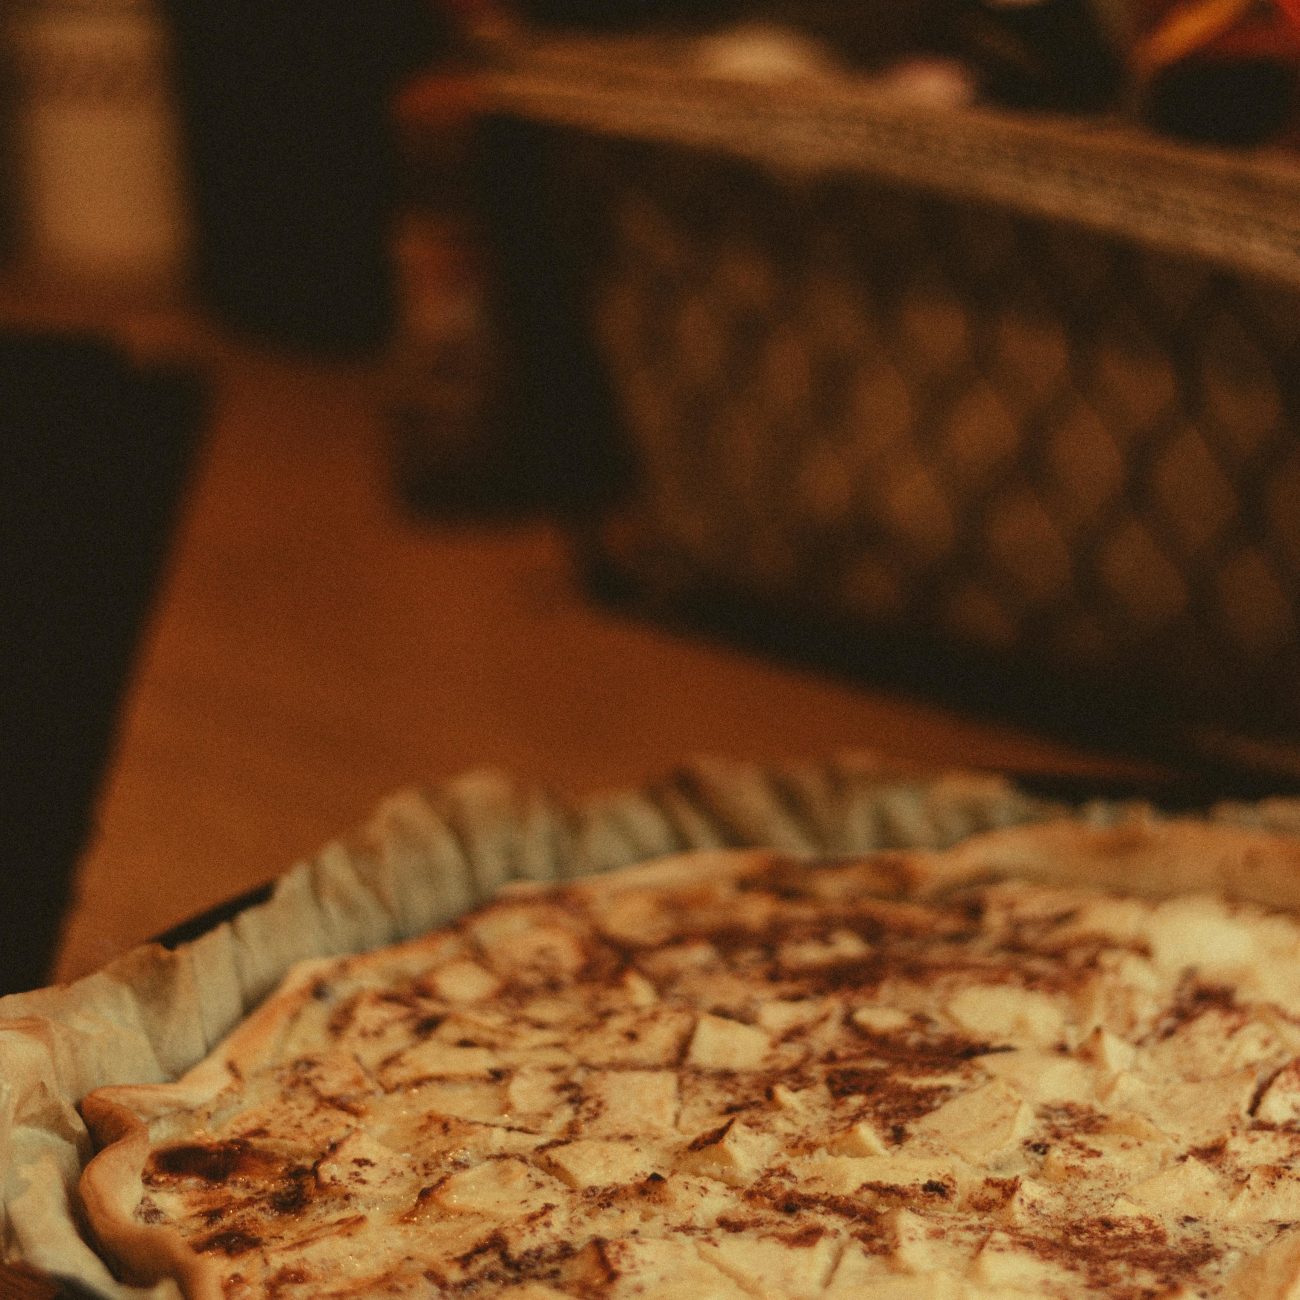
869, 35
934, 81
289, 139
1043, 54
98, 193
480, 24
1221, 72
494, 396
764, 52
443, 367
627, 15
864, 34
8, 151
96, 453
995, 410
489, 388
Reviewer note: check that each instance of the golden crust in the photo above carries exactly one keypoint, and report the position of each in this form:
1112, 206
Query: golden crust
109, 1196
152, 1014
1140, 856
119, 1118
421, 861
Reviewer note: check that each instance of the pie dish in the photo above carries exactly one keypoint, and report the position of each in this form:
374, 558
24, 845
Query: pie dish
149, 1042
997, 1070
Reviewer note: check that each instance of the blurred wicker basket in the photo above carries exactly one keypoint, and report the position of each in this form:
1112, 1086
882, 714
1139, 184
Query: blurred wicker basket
1011, 405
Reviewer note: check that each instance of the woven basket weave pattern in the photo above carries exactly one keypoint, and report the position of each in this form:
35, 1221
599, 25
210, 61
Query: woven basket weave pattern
991, 429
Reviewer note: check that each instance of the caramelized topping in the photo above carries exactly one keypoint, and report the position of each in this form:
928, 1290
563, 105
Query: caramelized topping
800, 1082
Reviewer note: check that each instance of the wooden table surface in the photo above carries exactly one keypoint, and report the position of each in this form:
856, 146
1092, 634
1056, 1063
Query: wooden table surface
313, 648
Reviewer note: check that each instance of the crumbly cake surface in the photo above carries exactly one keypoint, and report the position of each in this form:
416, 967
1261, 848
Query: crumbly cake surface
774, 1080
